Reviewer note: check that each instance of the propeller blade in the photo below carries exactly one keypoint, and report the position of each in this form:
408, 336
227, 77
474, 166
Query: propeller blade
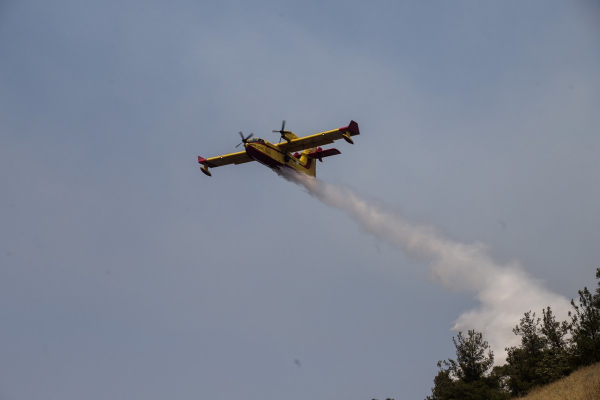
282, 131
244, 139
242, 136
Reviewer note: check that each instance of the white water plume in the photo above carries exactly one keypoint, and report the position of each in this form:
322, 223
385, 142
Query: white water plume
505, 292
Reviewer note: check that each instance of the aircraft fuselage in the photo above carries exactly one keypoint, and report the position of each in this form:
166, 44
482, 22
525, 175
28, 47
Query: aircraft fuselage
271, 156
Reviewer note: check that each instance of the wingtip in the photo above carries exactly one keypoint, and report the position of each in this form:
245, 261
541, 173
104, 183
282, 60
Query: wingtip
352, 128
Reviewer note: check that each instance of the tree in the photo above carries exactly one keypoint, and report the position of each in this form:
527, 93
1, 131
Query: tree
522, 361
597, 296
444, 387
541, 358
472, 361
530, 331
467, 377
554, 364
554, 331
585, 327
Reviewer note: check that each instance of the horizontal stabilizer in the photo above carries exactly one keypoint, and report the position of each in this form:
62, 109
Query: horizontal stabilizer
320, 153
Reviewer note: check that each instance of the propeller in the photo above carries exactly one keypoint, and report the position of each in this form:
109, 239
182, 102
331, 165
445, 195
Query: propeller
244, 139
282, 131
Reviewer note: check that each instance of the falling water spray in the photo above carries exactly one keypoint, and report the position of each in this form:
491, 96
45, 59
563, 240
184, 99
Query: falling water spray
504, 291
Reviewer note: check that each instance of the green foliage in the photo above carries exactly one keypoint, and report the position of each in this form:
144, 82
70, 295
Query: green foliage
554, 363
542, 357
598, 288
467, 378
585, 327
529, 330
554, 332
546, 354
446, 388
443, 386
472, 361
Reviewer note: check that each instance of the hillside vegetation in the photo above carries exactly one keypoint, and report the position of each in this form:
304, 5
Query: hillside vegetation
583, 384
555, 360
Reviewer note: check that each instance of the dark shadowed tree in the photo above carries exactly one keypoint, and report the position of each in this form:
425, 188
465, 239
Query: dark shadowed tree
585, 327
598, 288
473, 357
542, 356
522, 361
554, 332
467, 377
554, 364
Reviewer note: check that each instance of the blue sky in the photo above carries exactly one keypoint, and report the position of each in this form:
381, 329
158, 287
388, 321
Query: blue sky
126, 273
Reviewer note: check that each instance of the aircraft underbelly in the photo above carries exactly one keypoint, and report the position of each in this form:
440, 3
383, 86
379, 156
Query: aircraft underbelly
275, 159
263, 158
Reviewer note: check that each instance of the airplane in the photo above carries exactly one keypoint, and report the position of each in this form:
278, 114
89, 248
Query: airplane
277, 156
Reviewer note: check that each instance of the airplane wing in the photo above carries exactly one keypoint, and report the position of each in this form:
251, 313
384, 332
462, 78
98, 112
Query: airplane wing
322, 138
232, 158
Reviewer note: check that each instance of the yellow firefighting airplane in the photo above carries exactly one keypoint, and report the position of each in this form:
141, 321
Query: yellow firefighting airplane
276, 156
